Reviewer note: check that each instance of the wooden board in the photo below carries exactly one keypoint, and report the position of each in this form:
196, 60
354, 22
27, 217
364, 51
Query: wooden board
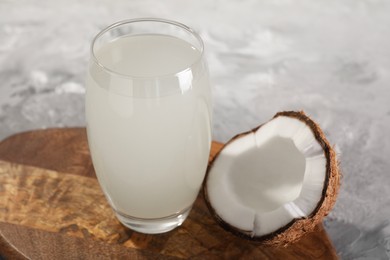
51, 207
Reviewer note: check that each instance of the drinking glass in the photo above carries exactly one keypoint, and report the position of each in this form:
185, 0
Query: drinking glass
148, 112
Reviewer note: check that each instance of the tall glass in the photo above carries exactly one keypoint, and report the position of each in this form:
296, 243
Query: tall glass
148, 110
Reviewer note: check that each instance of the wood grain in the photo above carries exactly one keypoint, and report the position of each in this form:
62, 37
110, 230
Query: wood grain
51, 207
62, 150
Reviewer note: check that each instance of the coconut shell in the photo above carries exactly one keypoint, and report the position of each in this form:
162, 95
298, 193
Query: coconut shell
297, 228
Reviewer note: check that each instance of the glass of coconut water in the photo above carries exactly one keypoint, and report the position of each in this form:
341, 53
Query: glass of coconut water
148, 110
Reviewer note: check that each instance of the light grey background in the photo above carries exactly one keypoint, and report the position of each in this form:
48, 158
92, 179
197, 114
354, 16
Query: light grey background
329, 58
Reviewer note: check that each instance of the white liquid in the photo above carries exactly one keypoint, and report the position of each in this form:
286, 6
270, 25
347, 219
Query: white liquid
150, 151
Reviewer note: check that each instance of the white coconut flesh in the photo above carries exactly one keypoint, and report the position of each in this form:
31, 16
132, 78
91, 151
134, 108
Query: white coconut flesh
263, 180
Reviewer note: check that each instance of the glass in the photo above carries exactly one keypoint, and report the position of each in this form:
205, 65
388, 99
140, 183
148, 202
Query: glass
148, 111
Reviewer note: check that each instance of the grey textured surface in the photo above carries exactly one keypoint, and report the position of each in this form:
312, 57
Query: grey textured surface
329, 58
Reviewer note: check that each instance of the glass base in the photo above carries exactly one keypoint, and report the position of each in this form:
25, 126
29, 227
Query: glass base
153, 225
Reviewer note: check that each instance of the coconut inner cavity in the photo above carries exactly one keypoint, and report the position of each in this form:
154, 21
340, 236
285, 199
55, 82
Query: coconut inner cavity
270, 175
264, 179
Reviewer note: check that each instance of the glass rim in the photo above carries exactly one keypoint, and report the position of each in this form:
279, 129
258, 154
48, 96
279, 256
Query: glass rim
149, 19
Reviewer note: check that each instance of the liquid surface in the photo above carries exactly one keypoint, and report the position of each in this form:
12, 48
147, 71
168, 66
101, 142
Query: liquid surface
148, 55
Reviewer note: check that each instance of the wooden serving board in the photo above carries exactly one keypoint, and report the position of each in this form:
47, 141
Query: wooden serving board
51, 207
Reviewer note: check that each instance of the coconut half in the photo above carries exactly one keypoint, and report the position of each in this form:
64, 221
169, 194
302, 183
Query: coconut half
274, 183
